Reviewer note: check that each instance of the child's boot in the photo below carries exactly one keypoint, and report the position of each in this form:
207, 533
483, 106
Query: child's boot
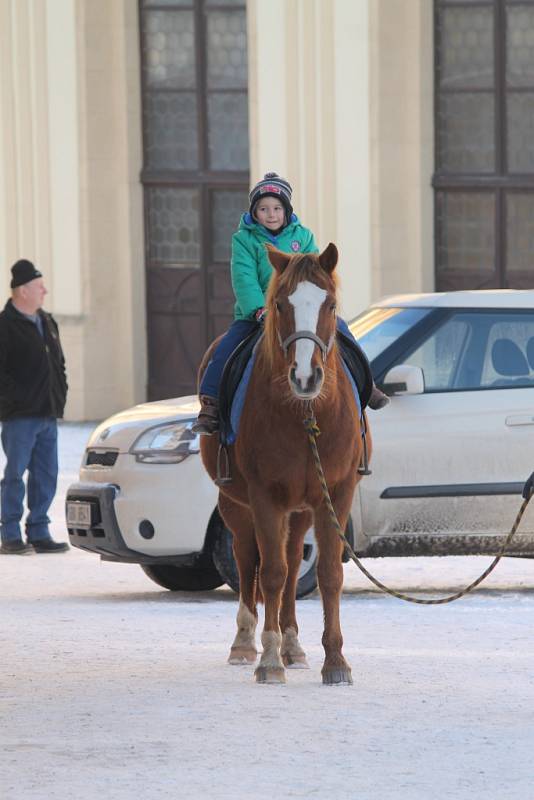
207, 421
378, 399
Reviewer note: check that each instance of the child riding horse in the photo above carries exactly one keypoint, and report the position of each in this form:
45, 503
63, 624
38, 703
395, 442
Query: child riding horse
270, 220
275, 493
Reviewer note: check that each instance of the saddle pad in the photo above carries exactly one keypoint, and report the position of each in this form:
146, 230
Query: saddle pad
358, 366
231, 379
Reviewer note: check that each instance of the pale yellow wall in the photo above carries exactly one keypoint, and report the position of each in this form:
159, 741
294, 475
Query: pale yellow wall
111, 209
341, 104
401, 57
309, 121
70, 197
39, 159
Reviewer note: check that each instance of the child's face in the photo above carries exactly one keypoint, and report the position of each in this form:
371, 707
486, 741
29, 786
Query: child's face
270, 212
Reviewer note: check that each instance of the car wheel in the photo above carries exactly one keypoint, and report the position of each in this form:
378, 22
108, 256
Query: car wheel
183, 579
223, 557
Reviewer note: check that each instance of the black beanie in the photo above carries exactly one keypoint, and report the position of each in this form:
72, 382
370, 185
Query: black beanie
275, 186
23, 272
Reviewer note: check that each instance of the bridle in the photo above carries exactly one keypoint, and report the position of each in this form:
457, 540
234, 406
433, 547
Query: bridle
293, 337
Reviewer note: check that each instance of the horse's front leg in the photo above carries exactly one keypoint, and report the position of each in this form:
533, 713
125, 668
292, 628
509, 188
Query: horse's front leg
239, 520
293, 655
271, 532
330, 578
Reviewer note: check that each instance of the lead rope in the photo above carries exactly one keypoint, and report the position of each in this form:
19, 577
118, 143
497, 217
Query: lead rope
313, 432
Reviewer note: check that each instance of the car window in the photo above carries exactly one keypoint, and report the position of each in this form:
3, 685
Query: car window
378, 328
510, 353
478, 350
439, 356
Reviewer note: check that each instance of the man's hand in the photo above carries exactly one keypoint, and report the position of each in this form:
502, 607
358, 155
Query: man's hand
259, 315
528, 487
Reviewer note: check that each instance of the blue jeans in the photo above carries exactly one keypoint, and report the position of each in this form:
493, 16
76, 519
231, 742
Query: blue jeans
236, 333
30, 443
238, 330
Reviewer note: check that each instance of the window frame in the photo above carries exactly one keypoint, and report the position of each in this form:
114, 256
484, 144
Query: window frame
500, 182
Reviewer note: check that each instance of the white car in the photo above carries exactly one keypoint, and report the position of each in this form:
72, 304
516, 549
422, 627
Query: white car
451, 451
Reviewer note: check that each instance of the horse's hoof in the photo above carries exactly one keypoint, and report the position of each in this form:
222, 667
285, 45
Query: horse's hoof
295, 662
270, 675
242, 655
337, 676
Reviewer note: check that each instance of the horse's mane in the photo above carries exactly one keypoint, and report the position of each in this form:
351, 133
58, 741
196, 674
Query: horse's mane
301, 267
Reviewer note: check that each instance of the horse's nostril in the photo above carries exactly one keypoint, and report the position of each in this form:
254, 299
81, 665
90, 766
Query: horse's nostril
315, 379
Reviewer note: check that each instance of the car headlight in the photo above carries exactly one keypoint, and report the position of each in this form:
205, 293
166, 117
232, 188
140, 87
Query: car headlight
166, 444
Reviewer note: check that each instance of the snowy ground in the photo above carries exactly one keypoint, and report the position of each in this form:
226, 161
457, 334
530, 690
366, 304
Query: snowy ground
111, 688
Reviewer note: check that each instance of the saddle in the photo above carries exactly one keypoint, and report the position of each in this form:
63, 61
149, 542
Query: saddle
238, 368
233, 372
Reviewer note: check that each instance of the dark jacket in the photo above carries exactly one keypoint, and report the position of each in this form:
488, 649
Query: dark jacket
33, 382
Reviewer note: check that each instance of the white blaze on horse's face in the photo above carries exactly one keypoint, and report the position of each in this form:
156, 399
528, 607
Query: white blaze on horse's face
305, 378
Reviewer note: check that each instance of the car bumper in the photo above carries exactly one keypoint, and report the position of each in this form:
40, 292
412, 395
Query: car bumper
104, 536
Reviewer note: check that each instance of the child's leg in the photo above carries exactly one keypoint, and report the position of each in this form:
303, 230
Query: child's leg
235, 334
208, 419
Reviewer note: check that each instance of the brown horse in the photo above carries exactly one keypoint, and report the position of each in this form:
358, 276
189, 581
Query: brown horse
275, 494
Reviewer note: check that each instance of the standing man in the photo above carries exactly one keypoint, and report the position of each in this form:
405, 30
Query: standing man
33, 390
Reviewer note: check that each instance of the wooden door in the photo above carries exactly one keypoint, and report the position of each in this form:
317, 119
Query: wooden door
195, 177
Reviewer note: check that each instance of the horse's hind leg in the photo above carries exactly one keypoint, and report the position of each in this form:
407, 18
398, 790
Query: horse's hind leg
330, 579
239, 520
292, 653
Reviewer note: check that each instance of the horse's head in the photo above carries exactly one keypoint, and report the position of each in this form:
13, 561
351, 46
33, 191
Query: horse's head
301, 318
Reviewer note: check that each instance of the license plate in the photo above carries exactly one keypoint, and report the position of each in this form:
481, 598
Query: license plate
78, 514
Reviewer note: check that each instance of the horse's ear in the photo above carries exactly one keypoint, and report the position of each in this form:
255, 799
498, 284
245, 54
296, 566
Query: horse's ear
279, 260
328, 258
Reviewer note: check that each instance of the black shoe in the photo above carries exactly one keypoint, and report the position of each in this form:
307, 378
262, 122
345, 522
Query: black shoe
378, 399
207, 422
49, 546
15, 548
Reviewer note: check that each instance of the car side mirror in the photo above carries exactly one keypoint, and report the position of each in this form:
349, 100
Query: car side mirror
404, 379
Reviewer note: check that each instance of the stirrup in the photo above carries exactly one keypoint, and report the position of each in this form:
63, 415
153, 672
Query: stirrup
363, 469
223, 466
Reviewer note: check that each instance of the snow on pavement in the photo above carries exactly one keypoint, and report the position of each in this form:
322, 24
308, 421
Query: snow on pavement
111, 687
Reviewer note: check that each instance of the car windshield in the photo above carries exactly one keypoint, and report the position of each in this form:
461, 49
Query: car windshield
377, 328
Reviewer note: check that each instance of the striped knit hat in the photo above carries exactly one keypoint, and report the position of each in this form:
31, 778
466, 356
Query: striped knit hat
274, 186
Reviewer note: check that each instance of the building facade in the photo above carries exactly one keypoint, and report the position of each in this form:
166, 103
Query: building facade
131, 130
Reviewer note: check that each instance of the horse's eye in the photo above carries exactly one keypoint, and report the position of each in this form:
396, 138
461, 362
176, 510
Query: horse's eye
333, 307
278, 306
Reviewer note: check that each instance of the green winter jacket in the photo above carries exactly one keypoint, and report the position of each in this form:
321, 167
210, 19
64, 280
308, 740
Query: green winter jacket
251, 268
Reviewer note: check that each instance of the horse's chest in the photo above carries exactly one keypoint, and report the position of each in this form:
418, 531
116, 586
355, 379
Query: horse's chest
289, 475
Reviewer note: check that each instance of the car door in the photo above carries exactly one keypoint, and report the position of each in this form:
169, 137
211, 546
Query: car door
449, 464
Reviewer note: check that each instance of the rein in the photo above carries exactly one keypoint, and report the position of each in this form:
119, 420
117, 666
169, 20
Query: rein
312, 429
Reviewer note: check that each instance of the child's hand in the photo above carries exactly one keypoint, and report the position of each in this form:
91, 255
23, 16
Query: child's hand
260, 314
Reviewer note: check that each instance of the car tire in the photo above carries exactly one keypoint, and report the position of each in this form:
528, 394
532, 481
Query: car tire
223, 558
183, 579
349, 536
